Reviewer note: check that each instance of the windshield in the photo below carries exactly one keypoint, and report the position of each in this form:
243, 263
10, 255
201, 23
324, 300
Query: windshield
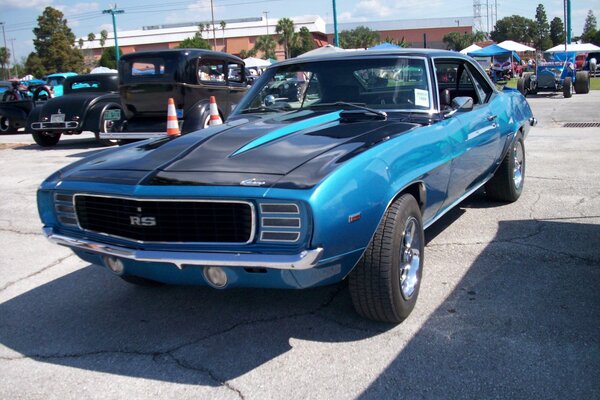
398, 83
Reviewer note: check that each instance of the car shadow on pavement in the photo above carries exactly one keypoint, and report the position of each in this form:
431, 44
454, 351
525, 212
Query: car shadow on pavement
91, 319
522, 323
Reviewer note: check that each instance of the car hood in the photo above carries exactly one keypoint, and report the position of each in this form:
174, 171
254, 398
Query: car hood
72, 105
248, 150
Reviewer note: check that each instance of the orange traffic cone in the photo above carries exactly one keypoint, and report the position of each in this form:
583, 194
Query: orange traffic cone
215, 118
172, 125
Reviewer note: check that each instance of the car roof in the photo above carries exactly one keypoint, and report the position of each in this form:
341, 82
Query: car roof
63, 74
348, 55
187, 53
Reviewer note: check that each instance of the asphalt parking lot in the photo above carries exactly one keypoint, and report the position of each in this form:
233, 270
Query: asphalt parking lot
509, 306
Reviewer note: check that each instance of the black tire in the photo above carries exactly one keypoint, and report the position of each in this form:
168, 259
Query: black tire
568, 87
377, 282
9, 95
521, 86
5, 125
106, 126
582, 82
139, 281
46, 139
42, 93
508, 181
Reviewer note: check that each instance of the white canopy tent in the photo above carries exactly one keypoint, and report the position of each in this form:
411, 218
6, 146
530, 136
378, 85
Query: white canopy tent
253, 62
471, 48
328, 48
576, 47
514, 46
102, 70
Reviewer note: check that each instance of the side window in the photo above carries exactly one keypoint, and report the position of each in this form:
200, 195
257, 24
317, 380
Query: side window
481, 85
211, 71
234, 73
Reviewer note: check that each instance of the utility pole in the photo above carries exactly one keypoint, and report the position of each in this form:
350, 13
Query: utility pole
212, 13
336, 38
113, 11
5, 49
266, 21
12, 44
487, 15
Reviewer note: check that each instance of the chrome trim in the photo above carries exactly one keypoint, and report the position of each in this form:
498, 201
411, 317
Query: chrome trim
131, 135
279, 204
533, 121
252, 211
55, 125
263, 225
303, 260
279, 240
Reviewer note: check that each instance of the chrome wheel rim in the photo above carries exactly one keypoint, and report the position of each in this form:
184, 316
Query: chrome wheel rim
410, 258
518, 157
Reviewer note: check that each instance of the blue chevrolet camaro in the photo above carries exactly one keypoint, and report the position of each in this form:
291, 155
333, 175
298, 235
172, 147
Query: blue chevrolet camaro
336, 179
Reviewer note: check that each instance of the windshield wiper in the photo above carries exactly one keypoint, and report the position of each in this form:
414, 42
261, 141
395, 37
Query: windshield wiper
358, 106
264, 109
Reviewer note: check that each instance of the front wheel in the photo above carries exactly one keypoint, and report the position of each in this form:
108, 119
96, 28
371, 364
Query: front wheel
568, 87
507, 183
582, 82
385, 283
45, 139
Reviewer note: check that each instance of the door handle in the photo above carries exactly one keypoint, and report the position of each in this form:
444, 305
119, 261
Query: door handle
492, 117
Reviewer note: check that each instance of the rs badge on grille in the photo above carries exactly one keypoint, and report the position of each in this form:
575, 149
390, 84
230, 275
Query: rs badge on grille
142, 221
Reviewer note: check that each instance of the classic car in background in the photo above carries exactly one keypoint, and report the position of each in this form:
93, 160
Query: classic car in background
90, 103
556, 73
53, 86
338, 183
189, 76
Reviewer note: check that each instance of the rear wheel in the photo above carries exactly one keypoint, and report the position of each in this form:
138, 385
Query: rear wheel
507, 183
46, 139
42, 93
385, 284
582, 82
5, 125
568, 87
521, 86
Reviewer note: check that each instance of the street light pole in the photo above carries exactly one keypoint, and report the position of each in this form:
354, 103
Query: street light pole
113, 11
336, 38
212, 14
267, 21
12, 45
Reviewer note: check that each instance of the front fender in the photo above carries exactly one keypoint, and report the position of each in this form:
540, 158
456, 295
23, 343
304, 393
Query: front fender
195, 116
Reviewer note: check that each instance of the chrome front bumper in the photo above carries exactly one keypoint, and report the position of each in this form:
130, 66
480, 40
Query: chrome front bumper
303, 260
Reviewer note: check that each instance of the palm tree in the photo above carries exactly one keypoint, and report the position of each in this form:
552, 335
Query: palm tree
287, 36
223, 25
91, 37
266, 44
103, 37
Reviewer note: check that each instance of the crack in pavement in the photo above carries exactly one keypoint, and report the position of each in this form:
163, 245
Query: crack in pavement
53, 264
532, 207
18, 232
170, 352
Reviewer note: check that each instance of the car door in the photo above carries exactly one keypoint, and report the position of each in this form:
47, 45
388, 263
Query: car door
477, 143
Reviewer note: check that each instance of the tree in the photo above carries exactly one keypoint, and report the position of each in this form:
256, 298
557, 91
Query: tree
359, 37
514, 27
542, 29
196, 41
4, 59
287, 36
248, 53
34, 66
55, 43
596, 40
398, 42
266, 44
80, 43
303, 43
457, 41
223, 24
91, 37
109, 58
557, 31
103, 37
589, 27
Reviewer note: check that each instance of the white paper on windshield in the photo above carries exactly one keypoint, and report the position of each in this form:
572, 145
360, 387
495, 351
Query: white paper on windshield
421, 98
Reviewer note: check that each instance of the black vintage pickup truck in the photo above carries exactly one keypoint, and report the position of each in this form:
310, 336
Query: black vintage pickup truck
190, 76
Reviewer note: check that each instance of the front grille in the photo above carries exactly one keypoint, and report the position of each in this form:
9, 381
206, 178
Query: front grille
167, 221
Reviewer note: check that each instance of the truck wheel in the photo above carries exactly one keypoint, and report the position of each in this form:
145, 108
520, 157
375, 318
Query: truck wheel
507, 182
5, 125
105, 127
385, 283
521, 86
568, 87
42, 93
45, 139
582, 82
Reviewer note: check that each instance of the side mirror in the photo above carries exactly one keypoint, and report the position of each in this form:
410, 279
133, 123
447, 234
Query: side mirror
462, 103
269, 100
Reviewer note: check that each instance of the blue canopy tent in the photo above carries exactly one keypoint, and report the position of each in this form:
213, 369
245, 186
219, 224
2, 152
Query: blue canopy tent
494, 50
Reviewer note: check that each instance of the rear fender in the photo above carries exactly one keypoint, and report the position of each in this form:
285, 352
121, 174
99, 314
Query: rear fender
195, 116
92, 120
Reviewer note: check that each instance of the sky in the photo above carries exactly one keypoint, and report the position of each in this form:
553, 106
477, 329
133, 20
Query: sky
20, 16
